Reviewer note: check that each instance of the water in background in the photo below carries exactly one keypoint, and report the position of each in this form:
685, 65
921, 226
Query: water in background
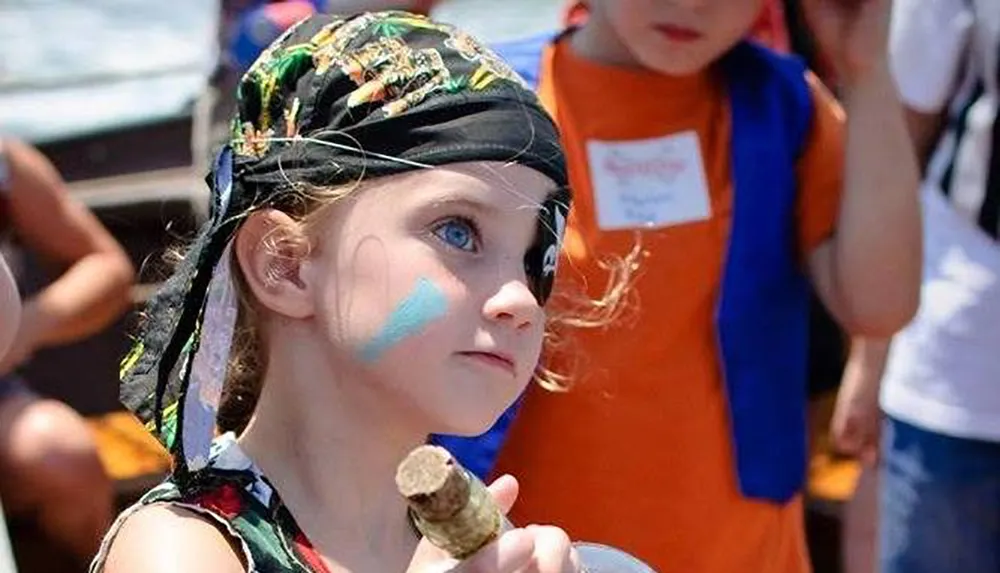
70, 67
73, 67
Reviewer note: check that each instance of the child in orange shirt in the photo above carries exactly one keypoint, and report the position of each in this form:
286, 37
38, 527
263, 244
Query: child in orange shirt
683, 438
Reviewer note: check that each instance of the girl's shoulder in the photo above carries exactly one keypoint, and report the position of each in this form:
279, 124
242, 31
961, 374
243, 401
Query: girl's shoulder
225, 516
168, 537
174, 528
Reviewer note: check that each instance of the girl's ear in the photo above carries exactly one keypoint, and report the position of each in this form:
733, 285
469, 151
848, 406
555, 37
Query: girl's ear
271, 249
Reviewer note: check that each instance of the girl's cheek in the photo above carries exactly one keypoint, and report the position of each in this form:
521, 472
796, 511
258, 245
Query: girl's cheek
425, 304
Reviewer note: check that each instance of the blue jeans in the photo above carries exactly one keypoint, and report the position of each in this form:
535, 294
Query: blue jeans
939, 502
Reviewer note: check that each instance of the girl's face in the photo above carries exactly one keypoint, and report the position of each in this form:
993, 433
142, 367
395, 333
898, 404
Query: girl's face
673, 37
419, 291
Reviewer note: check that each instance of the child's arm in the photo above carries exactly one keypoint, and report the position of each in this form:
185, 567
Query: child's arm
927, 47
924, 130
868, 273
855, 426
10, 308
94, 289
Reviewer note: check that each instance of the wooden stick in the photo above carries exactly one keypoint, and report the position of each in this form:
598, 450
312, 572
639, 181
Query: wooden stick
449, 506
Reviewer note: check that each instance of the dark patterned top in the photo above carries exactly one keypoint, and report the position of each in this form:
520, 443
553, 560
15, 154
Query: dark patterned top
234, 495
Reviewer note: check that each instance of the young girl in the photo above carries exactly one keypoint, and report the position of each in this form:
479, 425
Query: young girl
383, 239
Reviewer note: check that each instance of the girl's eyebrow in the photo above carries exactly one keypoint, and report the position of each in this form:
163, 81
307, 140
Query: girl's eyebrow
463, 200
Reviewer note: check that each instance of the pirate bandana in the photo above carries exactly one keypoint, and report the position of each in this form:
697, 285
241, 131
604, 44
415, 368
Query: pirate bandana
332, 101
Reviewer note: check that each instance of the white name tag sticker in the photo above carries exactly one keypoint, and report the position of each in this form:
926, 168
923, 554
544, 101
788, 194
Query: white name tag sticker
649, 183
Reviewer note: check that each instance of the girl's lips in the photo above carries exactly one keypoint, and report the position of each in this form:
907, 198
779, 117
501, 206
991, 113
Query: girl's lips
678, 33
494, 359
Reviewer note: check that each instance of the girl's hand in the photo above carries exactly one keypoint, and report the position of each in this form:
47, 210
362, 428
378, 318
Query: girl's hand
854, 34
532, 549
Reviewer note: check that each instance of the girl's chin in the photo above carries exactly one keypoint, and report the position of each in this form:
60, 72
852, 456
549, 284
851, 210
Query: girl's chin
467, 427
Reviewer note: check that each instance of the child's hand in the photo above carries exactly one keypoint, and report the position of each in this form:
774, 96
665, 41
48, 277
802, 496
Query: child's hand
856, 423
532, 549
854, 34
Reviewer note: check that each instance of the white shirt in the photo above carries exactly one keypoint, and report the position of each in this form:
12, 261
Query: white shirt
943, 372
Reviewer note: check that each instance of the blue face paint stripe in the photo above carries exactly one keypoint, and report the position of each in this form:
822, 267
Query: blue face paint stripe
424, 304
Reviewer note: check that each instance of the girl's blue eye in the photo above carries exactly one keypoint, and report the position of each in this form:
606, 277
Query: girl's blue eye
459, 233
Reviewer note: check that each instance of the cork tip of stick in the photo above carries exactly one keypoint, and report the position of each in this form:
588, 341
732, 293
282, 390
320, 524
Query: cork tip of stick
433, 482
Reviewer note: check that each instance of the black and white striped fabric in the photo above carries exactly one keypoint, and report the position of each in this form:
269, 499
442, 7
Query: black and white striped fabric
966, 163
4, 170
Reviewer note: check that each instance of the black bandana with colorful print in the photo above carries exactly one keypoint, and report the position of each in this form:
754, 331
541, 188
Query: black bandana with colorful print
332, 101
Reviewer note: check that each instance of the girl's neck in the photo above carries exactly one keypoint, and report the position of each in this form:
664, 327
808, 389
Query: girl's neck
331, 450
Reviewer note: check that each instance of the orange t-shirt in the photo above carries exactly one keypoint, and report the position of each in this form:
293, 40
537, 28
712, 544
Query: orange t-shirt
638, 453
